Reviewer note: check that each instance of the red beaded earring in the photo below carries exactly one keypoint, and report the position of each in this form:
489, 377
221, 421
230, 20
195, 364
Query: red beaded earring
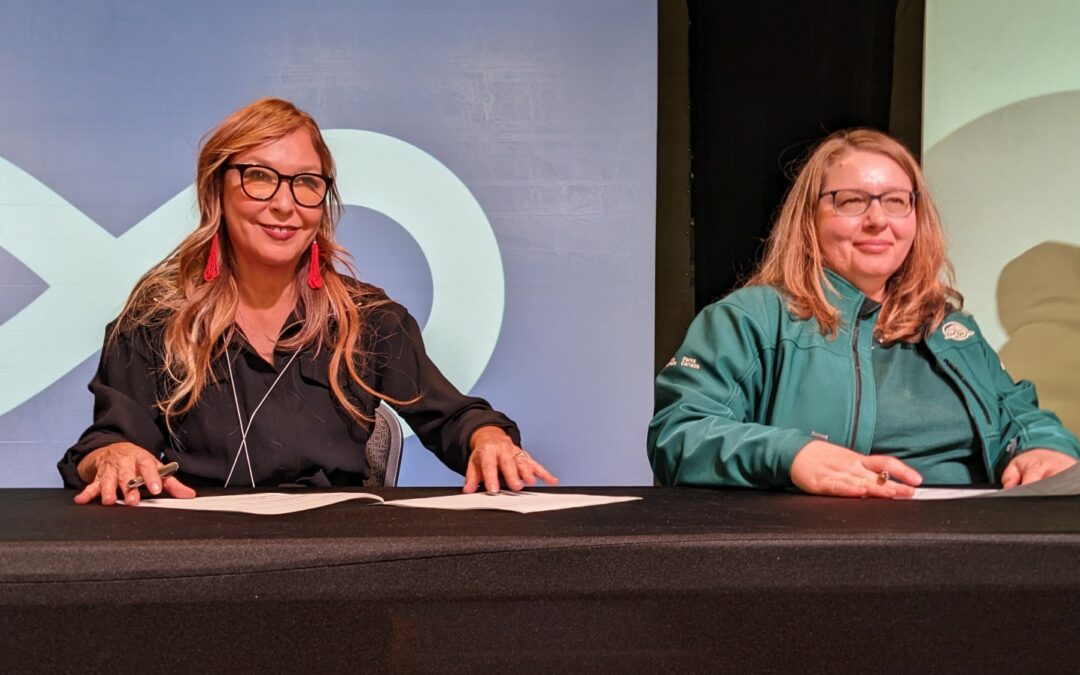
314, 277
212, 270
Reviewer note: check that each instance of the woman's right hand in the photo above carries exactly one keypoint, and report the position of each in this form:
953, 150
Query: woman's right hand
822, 468
108, 469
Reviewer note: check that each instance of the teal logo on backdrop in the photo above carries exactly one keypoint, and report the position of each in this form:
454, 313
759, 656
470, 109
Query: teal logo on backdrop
89, 272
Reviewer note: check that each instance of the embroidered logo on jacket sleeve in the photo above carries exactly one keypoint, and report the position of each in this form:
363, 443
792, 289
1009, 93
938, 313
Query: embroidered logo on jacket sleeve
954, 330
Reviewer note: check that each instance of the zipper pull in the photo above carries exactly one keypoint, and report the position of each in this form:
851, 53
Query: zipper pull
1010, 449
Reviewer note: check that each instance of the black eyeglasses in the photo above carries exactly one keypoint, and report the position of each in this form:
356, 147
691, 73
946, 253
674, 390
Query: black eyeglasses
262, 183
895, 203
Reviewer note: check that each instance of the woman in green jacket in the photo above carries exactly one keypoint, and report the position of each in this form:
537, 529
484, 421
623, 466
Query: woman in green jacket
844, 366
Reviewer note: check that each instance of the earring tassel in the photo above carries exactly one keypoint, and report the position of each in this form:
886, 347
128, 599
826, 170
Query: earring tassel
314, 277
212, 270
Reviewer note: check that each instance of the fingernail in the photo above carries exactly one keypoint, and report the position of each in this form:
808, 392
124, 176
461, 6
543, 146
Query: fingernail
155, 488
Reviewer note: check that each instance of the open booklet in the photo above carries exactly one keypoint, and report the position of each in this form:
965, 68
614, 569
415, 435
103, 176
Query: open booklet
1062, 484
277, 503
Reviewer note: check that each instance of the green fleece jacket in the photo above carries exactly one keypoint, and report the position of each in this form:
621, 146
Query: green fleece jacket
752, 384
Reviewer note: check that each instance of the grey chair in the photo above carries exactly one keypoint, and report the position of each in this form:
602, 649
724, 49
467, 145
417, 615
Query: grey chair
383, 449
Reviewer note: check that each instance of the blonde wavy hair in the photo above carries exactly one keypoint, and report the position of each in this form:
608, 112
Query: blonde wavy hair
918, 295
196, 318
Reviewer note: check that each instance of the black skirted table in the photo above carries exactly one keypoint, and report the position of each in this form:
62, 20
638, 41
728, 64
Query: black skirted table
684, 580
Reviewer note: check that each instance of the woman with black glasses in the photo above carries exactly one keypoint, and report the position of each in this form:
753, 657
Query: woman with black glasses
249, 359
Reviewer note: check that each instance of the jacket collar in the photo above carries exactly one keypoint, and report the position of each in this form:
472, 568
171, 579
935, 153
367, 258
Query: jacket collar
842, 295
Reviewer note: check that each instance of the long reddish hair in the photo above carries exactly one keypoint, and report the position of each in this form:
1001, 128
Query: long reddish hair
918, 295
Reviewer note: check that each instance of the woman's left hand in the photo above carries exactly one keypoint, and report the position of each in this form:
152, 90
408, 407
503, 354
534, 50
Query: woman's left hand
1032, 465
494, 452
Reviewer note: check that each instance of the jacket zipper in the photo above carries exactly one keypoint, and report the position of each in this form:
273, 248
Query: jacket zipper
971, 413
858, 384
975, 394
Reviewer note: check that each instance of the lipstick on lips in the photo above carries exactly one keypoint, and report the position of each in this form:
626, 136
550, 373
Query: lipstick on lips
282, 232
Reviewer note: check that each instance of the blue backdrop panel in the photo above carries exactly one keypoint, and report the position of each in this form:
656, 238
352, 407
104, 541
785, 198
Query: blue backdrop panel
498, 159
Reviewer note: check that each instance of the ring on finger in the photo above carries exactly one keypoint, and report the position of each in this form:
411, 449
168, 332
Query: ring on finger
882, 477
521, 453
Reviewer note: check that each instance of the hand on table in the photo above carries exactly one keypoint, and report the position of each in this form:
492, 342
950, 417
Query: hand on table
822, 468
108, 469
1032, 465
494, 453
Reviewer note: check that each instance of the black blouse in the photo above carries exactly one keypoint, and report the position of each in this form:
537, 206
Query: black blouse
300, 435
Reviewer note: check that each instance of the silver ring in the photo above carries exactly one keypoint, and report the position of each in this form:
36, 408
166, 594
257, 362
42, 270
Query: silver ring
521, 453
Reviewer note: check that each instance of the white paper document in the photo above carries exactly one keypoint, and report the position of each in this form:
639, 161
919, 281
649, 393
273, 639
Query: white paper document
521, 502
262, 503
277, 503
1061, 484
951, 493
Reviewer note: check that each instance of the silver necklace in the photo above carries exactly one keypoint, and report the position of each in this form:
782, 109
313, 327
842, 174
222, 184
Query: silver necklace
244, 428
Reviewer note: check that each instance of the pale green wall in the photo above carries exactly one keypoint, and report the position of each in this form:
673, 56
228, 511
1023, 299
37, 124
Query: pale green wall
1001, 134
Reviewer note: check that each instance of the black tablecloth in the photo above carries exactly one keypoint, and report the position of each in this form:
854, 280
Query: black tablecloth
680, 581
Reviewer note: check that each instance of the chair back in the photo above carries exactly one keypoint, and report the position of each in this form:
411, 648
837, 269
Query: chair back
383, 449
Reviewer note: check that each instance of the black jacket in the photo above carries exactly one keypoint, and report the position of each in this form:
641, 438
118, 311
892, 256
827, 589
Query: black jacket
300, 435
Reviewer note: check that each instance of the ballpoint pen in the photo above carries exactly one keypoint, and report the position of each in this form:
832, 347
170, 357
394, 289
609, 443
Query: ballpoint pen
163, 470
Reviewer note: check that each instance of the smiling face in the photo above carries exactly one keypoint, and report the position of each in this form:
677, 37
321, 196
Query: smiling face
269, 237
866, 249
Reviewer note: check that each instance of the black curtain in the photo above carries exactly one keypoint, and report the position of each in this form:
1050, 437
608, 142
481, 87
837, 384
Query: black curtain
768, 78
